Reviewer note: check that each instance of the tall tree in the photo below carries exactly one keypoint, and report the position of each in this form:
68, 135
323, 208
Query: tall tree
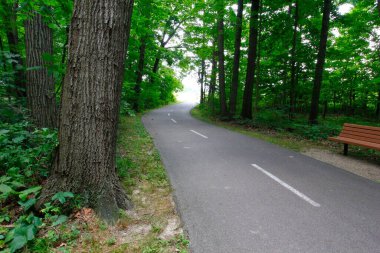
202, 78
214, 70
293, 62
222, 75
252, 55
41, 87
236, 64
313, 117
85, 160
172, 25
141, 61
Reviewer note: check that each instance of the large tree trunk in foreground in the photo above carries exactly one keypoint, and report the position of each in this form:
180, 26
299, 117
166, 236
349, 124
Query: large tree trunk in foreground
40, 90
222, 75
236, 66
252, 55
85, 163
313, 118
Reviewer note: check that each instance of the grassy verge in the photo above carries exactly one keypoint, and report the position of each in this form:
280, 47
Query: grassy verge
287, 139
140, 230
282, 139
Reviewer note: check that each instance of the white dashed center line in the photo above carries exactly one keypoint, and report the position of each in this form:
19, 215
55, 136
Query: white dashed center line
203, 136
296, 192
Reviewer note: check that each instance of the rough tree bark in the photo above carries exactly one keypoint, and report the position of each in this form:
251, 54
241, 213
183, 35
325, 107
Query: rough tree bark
222, 75
236, 64
40, 90
85, 161
293, 55
313, 117
251, 65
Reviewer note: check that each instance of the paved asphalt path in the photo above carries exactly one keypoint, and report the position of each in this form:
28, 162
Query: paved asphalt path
239, 194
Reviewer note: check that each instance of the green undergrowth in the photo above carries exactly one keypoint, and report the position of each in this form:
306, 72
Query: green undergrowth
63, 225
275, 127
25, 159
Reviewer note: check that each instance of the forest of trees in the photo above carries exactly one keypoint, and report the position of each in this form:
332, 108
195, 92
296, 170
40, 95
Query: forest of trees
298, 57
68, 69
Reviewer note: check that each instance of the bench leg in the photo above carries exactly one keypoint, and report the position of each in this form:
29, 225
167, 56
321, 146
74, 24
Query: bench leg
345, 151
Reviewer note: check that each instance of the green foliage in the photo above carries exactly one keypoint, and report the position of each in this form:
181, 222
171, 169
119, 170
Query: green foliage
25, 160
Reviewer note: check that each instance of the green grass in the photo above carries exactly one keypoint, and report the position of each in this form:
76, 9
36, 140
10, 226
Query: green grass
274, 127
279, 138
137, 157
140, 167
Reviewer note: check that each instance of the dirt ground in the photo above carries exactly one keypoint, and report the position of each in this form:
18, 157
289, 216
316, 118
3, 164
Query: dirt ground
369, 170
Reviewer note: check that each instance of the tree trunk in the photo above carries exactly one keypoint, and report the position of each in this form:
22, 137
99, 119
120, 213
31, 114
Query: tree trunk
63, 59
156, 65
313, 118
85, 161
378, 105
236, 64
202, 80
258, 66
325, 108
140, 70
251, 65
293, 55
40, 90
10, 24
142, 50
214, 69
3, 59
222, 75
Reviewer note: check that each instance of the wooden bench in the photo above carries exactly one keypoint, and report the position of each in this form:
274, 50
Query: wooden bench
365, 136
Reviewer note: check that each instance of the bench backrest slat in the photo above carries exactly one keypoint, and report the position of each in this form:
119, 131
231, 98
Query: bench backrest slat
363, 133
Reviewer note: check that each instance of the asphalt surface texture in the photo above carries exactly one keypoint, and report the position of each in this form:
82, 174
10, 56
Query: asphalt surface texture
235, 193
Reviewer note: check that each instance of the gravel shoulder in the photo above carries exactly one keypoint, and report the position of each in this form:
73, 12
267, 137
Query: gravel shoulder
366, 169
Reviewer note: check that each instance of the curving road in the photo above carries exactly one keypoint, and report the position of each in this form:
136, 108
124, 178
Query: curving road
239, 194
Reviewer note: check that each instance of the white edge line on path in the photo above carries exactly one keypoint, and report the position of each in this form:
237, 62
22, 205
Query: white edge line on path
174, 121
296, 192
204, 136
